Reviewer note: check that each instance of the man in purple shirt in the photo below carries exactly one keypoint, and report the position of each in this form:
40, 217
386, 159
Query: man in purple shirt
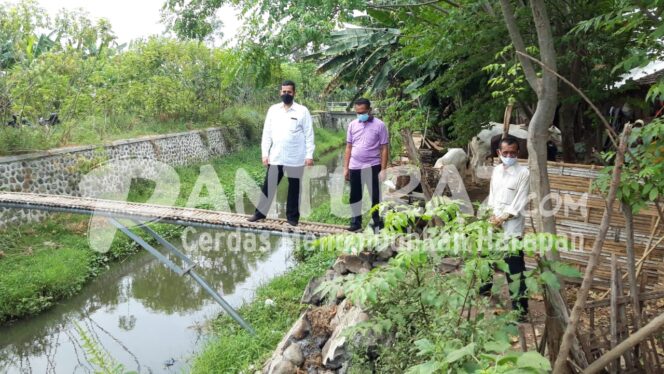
365, 161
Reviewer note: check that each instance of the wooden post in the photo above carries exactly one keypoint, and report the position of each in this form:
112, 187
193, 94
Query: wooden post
615, 366
631, 264
522, 338
414, 157
506, 120
623, 323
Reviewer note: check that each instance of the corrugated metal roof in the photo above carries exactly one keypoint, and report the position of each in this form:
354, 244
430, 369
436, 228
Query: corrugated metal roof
646, 75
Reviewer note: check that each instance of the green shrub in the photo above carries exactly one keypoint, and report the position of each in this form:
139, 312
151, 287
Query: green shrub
428, 320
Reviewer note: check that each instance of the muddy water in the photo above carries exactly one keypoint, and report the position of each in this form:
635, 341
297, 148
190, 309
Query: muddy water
142, 314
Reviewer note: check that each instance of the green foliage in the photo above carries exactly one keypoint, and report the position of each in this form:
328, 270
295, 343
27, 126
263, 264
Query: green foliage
642, 177
38, 270
429, 57
282, 26
507, 80
102, 91
360, 56
84, 164
435, 321
24, 139
638, 25
328, 140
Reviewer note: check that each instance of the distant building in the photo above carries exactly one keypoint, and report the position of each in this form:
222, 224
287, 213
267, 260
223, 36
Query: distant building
633, 89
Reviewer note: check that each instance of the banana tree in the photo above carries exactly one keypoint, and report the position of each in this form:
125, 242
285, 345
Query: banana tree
362, 56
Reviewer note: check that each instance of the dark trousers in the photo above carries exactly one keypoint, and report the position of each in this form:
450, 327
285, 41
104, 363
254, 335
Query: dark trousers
273, 177
516, 265
358, 179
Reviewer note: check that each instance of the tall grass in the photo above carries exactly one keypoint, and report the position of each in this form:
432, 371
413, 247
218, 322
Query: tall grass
96, 130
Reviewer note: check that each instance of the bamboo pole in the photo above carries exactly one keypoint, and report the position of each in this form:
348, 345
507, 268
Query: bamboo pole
623, 323
631, 265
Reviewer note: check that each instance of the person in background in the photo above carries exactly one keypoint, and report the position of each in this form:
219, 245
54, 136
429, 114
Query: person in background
365, 161
287, 146
508, 197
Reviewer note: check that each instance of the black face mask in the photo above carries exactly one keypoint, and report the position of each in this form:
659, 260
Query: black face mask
287, 99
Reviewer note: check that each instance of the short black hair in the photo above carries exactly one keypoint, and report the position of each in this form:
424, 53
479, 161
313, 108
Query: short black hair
288, 83
363, 101
509, 140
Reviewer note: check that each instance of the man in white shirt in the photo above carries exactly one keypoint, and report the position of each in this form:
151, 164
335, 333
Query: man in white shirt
286, 147
508, 197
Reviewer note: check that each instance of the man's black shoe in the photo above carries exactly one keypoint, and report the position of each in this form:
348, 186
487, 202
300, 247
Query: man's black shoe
354, 228
292, 222
256, 217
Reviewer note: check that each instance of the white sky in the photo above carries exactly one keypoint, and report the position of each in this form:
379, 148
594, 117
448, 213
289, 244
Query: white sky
132, 19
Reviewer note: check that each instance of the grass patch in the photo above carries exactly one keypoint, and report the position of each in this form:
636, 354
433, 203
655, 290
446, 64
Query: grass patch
323, 213
48, 262
232, 349
328, 140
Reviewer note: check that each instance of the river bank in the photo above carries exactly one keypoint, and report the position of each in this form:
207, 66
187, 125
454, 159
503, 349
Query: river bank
273, 311
45, 263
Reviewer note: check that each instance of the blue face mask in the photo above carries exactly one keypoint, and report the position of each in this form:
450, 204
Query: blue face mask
363, 117
508, 161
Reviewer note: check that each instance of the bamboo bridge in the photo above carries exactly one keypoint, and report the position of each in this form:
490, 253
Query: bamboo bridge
167, 214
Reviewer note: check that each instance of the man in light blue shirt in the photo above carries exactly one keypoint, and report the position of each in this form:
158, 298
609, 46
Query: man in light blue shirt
287, 146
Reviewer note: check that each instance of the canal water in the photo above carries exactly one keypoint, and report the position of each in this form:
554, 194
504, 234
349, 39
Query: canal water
143, 315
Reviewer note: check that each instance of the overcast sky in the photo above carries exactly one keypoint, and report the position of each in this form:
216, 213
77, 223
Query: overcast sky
133, 19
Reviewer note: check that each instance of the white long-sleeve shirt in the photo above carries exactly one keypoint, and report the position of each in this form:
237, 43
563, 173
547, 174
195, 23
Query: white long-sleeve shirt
508, 193
288, 135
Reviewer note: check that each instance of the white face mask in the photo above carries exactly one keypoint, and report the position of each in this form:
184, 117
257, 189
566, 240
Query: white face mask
508, 161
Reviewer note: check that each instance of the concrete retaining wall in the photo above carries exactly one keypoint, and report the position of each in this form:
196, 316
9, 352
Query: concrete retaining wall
59, 171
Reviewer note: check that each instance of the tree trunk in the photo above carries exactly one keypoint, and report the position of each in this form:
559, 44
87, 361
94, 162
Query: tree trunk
568, 109
538, 131
567, 121
538, 134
